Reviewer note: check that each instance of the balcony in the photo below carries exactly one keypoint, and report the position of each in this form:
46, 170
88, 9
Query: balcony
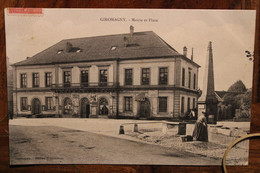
156, 87
148, 87
85, 87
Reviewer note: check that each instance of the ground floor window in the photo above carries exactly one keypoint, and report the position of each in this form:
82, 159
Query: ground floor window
162, 104
193, 103
182, 104
48, 103
188, 104
128, 104
24, 103
103, 106
67, 106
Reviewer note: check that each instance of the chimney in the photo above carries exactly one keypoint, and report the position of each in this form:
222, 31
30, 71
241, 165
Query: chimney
131, 30
185, 51
68, 47
191, 57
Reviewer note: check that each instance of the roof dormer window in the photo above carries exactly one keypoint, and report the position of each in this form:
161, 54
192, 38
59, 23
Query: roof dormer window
59, 51
113, 47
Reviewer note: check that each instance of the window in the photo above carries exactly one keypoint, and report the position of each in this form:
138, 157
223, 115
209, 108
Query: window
188, 104
59, 51
113, 47
48, 103
182, 104
183, 76
48, 79
24, 103
163, 76
189, 84
67, 106
194, 82
36, 80
84, 77
162, 104
66, 78
193, 106
145, 76
128, 104
128, 77
23, 80
103, 77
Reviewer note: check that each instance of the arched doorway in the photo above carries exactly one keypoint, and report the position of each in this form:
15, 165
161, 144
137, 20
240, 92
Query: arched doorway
67, 106
36, 106
84, 108
103, 106
145, 108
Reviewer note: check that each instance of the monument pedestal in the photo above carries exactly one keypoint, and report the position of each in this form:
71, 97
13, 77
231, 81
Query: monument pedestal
210, 108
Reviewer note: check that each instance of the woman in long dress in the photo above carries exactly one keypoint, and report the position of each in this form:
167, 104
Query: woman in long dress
200, 132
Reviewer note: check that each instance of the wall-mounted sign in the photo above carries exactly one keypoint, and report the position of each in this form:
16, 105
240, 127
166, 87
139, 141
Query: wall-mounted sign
201, 106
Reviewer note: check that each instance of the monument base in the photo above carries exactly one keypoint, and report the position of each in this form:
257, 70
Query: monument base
210, 111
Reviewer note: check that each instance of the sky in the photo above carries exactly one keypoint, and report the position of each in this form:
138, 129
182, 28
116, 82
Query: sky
230, 31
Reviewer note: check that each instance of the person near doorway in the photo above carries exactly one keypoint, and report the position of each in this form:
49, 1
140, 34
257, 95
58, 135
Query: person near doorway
192, 114
200, 132
104, 110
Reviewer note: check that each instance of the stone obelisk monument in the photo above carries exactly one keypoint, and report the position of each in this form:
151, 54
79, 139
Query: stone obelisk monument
208, 102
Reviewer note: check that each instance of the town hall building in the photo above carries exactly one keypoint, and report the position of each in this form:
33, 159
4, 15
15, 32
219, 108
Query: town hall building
132, 75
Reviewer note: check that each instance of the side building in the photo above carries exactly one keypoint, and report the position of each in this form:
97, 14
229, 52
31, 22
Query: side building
9, 88
133, 75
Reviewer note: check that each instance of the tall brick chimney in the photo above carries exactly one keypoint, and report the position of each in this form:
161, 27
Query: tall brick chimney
185, 51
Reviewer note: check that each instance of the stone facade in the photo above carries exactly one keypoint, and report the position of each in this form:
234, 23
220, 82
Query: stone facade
114, 88
152, 92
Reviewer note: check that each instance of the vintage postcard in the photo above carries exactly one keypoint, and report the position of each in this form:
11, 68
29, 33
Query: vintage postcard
128, 86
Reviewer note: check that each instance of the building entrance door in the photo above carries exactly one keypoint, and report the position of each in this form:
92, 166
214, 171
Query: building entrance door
103, 106
36, 106
145, 108
85, 108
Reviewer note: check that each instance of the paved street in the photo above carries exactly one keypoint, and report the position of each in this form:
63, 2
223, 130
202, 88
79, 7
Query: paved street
54, 145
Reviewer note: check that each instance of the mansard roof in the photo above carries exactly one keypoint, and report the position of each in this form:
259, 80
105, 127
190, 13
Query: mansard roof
139, 45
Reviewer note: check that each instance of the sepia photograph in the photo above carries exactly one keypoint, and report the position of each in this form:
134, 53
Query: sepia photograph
128, 86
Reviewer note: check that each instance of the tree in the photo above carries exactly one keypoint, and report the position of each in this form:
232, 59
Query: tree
238, 86
235, 96
247, 99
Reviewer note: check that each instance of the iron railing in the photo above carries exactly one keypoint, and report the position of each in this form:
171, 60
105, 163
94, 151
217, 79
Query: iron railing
85, 85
